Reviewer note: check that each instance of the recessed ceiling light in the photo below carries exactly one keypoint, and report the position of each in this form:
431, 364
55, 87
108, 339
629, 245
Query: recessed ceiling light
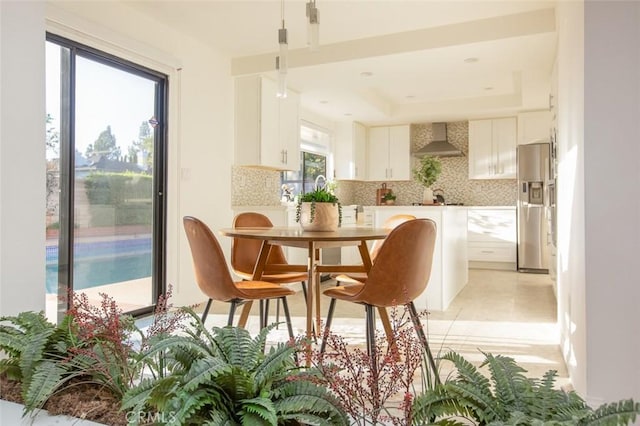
471, 60
488, 88
324, 102
348, 114
366, 74
410, 96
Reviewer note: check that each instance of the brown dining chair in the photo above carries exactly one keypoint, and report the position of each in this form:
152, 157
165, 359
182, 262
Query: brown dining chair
399, 275
359, 277
214, 278
245, 252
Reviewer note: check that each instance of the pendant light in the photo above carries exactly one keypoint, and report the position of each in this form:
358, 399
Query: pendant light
313, 26
281, 59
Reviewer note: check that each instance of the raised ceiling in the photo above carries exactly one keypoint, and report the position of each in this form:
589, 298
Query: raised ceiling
429, 60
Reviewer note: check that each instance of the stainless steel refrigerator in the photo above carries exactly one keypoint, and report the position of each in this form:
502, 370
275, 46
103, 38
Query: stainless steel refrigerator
534, 182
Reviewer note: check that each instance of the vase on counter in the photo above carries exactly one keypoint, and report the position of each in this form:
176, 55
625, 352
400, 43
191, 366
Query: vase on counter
427, 196
317, 216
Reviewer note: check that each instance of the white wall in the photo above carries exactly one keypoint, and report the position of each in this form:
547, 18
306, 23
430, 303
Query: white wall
612, 214
599, 223
22, 157
200, 151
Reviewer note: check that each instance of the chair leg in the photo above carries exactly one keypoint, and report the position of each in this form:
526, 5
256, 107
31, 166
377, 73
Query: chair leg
265, 319
232, 312
285, 308
277, 314
327, 326
371, 330
206, 310
423, 338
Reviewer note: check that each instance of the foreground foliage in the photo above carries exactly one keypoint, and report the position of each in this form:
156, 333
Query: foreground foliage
225, 378
508, 397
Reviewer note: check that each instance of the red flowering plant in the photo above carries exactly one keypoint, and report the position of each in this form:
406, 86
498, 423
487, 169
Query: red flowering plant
379, 389
95, 345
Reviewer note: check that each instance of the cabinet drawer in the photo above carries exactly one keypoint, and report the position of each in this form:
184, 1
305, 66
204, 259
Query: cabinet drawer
492, 253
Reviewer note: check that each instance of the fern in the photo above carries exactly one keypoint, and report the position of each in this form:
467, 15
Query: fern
46, 379
615, 413
517, 400
261, 407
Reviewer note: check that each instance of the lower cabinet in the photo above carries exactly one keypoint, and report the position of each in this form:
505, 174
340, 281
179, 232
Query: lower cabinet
492, 238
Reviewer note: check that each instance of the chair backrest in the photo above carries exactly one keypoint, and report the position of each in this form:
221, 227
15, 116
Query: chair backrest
209, 264
245, 251
403, 265
390, 223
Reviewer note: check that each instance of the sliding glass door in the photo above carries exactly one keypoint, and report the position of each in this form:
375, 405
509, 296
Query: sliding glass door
105, 178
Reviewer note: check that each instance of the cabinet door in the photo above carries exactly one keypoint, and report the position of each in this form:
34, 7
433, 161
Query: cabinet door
399, 157
271, 152
378, 153
350, 151
289, 132
480, 149
359, 151
504, 148
534, 126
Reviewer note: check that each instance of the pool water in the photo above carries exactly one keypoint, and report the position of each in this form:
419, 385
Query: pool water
103, 262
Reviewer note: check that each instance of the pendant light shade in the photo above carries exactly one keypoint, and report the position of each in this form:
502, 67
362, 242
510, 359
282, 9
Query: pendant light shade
313, 26
281, 91
281, 59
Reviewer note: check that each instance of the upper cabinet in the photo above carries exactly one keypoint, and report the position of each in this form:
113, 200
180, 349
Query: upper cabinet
534, 127
492, 148
266, 127
388, 153
350, 151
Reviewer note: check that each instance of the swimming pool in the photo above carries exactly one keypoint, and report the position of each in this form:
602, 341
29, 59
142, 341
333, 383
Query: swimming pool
98, 263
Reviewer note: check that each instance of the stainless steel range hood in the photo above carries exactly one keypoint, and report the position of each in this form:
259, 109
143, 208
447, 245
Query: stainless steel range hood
439, 147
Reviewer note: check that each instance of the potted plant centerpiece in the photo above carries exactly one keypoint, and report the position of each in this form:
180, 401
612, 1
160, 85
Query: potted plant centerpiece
389, 198
319, 210
426, 174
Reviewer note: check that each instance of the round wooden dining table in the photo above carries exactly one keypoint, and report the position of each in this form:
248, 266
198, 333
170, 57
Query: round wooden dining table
313, 241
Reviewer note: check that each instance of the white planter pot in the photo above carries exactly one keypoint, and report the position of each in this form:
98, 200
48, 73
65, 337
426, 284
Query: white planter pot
427, 196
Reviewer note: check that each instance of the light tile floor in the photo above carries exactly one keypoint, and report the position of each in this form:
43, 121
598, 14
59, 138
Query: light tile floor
501, 312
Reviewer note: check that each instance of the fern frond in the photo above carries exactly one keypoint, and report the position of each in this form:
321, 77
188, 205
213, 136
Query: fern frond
12, 340
435, 404
482, 406
47, 377
237, 346
136, 398
204, 370
189, 405
303, 397
616, 413
261, 407
276, 364
510, 384
468, 373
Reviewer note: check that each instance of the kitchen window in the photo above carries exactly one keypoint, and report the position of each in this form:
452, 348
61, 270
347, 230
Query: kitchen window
314, 156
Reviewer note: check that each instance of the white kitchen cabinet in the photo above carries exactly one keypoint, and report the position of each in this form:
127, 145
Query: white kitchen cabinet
492, 238
266, 127
492, 148
534, 126
350, 151
388, 153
